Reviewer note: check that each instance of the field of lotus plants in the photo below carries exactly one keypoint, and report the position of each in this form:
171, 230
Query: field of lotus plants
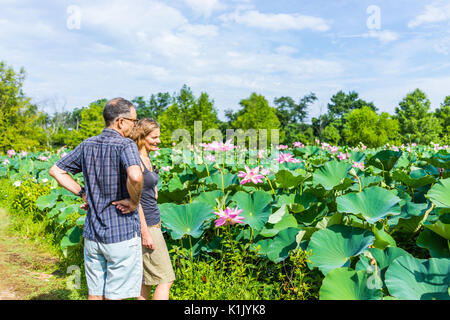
375, 221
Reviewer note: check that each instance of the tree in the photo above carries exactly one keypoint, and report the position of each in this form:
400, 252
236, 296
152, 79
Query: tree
18, 116
292, 116
257, 114
342, 103
443, 113
417, 124
154, 107
183, 113
92, 123
331, 135
364, 125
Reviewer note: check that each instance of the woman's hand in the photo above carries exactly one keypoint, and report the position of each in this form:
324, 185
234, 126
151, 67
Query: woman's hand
147, 240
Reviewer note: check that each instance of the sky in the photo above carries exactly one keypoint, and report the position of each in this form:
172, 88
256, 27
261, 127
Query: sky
75, 52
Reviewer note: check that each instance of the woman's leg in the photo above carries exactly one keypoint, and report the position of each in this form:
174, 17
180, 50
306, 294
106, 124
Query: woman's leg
162, 291
145, 293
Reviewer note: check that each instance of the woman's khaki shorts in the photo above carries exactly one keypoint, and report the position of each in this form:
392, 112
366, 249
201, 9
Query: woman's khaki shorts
157, 265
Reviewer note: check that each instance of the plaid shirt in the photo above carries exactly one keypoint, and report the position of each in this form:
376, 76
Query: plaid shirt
104, 159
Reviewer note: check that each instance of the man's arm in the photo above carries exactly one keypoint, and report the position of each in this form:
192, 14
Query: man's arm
64, 179
135, 182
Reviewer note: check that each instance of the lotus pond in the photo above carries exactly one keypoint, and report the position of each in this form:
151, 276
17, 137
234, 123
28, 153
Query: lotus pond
374, 223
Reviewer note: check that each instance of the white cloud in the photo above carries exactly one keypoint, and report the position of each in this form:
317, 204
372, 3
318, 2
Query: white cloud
276, 21
435, 12
384, 35
205, 7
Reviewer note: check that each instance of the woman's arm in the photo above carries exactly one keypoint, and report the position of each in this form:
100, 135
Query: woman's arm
156, 192
147, 240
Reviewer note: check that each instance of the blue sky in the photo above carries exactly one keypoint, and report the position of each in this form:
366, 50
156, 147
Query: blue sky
77, 51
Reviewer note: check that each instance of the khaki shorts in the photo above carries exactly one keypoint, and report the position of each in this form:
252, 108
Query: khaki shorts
157, 265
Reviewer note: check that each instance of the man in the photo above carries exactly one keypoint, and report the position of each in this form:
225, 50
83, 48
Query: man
113, 185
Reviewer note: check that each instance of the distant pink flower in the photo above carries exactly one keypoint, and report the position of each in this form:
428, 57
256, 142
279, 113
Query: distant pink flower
228, 216
218, 146
23, 154
252, 175
287, 157
298, 145
165, 168
358, 165
265, 172
317, 141
210, 157
11, 153
395, 148
343, 156
6, 162
63, 154
43, 158
260, 154
282, 147
333, 149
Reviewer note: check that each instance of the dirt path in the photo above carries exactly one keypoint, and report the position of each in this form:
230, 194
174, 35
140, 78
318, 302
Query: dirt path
26, 272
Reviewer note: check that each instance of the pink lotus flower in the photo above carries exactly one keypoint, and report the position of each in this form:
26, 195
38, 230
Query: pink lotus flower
11, 153
218, 146
395, 148
260, 154
265, 172
282, 147
252, 175
317, 141
165, 168
343, 156
23, 154
228, 216
359, 165
43, 158
298, 145
333, 149
210, 157
287, 157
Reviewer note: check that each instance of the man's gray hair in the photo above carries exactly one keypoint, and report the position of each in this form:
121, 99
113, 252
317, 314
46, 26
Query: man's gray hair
116, 108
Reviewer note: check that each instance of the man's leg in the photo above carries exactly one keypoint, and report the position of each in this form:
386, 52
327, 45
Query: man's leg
124, 269
95, 268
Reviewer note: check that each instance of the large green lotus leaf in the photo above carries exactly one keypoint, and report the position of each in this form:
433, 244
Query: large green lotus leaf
307, 151
439, 194
46, 201
366, 182
408, 278
209, 197
185, 219
382, 238
71, 238
440, 160
374, 203
313, 214
286, 221
277, 249
441, 228
435, 244
333, 247
383, 259
288, 179
357, 156
416, 179
303, 202
332, 174
256, 206
229, 179
385, 160
348, 284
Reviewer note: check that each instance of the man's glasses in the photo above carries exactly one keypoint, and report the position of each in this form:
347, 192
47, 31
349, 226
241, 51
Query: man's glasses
134, 120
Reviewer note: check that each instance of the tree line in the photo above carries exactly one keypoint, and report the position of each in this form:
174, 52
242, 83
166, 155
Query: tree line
349, 119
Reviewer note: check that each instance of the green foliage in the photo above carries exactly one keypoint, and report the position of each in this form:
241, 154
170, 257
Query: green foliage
342, 104
331, 135
18, 117
184, 112
92, 123
417, 124
364, 125
443, 113
257, 114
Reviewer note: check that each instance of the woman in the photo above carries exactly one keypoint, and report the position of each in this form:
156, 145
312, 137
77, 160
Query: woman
157, 265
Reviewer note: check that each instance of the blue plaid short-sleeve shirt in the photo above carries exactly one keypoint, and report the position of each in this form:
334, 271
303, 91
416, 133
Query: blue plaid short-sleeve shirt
104, 160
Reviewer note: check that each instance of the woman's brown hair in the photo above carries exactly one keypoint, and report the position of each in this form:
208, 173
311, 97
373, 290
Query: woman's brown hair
142, 129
